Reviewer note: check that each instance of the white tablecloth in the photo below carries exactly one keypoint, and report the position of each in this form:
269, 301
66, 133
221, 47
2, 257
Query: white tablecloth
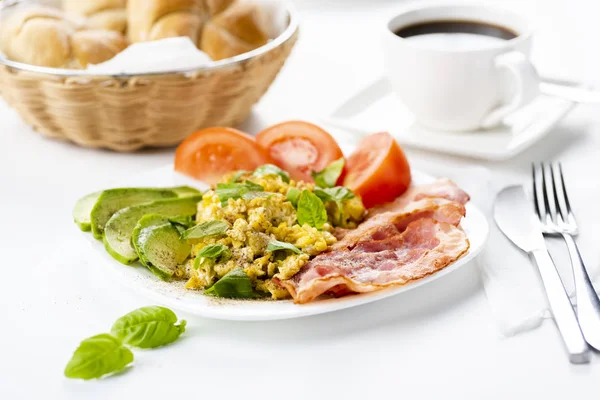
439, 341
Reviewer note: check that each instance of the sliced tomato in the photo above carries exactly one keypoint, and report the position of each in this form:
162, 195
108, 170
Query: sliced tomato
210, 153
300, 148
378, 170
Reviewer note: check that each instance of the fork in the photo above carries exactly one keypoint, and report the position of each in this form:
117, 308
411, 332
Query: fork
557, 219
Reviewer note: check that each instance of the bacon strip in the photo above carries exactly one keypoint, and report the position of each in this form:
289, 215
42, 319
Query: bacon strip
414, 236
425, 247
442, 188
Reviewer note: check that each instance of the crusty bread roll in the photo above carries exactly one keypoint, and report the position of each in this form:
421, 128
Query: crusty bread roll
238, 29
95, 46
45, 37
160, 19
100, 14
215, 7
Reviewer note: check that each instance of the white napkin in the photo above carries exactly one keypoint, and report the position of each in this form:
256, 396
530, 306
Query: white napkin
158, 56
512, 284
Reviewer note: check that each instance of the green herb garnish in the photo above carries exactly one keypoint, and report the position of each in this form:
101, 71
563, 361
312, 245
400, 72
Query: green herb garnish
337, 194
292, 196
329, 176
234, 285
209, 228
227, 191
257, 195
210, 254
98, 356
311, 210
236, 177
148, 327
270, 169
275, 245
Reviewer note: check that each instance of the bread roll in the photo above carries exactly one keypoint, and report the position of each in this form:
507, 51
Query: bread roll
215, 7
96, 46
238, 29
45, 37
159, 19
100, 14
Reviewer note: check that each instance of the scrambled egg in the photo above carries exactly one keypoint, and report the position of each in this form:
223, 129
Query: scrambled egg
254, 222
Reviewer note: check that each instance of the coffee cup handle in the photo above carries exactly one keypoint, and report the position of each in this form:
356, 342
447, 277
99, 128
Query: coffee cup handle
527, 84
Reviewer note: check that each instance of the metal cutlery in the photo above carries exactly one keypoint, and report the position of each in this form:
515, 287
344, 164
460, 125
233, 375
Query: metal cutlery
515, 217
557, 219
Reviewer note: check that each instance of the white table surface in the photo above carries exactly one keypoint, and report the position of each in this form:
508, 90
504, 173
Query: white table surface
438, 341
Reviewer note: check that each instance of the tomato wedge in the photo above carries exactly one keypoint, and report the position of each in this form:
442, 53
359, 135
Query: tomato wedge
300, 148
378, 171
210, 153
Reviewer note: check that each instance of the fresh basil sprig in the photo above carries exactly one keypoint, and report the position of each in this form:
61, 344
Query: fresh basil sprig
311, 210
98, 356
329, 176
148, 327
104, 354
238, 174
338, 193
270, 169
234, 285
208, 228
275, 245
210, 254
227, 191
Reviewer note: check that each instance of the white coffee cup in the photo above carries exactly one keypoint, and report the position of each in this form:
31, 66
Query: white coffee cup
464, 89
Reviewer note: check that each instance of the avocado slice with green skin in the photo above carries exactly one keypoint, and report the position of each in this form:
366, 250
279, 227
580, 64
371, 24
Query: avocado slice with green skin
159, 246
83, 209
113, 200
119, 229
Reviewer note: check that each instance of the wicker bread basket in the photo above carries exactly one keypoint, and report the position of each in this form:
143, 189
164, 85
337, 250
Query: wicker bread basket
128, 112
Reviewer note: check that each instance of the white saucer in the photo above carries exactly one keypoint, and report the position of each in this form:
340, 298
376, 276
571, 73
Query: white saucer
376, 108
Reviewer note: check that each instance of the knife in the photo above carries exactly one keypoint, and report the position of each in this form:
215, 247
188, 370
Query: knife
514, 215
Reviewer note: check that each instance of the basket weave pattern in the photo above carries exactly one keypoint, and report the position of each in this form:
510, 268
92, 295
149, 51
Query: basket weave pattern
126, 114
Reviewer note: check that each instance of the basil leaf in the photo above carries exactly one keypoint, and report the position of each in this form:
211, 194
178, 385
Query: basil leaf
234, 285
270, 169
329, 176
148, 327
254, 187
209, 228
227, 191
311, 210
256, 195
213, 251
275, 245
338, 193
209, 254
97, 356
292, 196
236, 177
185, 220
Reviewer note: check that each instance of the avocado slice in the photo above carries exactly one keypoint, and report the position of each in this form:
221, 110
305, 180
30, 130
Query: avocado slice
82, 210
119, 229
113, 200
159, 246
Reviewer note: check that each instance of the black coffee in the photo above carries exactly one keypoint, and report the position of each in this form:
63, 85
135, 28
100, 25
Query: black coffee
456, 26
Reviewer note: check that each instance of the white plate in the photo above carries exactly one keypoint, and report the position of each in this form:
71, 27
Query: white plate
173, 294
376, 108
